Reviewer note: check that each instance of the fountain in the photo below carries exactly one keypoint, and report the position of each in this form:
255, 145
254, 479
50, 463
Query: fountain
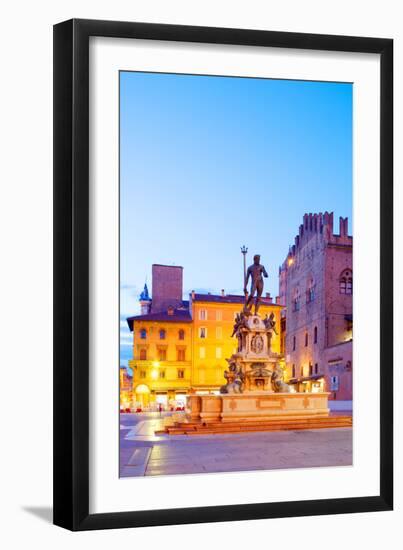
255, 396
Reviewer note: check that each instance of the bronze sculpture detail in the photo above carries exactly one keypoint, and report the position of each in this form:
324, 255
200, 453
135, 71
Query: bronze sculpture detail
235, 378
256, 272
277, 381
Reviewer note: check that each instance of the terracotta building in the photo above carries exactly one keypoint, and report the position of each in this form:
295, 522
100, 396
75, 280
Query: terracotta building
316, 284
126, 389
180, 346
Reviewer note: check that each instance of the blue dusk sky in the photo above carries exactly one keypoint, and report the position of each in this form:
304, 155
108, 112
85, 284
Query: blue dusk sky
210, 163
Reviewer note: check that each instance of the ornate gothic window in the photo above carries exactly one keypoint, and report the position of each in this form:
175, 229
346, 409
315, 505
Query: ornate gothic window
346, 282
310, 291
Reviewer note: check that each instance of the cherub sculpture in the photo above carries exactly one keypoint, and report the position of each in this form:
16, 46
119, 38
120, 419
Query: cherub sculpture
270, 322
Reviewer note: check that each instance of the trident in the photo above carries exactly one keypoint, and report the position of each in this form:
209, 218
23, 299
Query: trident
244, 251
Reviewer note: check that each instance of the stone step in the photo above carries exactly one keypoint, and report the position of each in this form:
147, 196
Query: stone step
262, 426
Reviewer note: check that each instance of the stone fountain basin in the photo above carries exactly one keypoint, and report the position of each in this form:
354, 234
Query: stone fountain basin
257, 405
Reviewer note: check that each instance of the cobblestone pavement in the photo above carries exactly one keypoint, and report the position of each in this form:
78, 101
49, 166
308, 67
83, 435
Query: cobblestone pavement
142, 453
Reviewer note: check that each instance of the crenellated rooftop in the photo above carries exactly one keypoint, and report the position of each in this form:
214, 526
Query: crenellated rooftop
318, 225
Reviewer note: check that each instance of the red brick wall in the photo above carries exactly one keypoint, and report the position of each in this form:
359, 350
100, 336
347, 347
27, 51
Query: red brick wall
321, 256
167, 287
338, 361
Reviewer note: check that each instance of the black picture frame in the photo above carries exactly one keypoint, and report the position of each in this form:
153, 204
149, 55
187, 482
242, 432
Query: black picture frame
71, 274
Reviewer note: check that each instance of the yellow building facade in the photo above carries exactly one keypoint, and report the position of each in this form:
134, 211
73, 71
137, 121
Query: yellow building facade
184, 350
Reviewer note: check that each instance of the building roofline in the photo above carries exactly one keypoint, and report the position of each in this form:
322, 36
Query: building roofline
229, 299
161, 317
166, 265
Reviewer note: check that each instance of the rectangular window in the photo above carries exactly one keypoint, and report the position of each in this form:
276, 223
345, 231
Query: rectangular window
181, 373
334, 383
143, 355
218, 315
316, 368
218, 333
202, 353
294, 343
203, 315
202, 332
143, 374
181, 354
162, 354
343, 286
161, 374
218, 353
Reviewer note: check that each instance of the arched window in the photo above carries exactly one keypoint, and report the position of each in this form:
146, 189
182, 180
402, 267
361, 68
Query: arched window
315, 335
296, 302
162, 334
143, 334
346, 282
181, 334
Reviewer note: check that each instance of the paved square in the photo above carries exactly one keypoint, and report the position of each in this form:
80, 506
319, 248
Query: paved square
142, 453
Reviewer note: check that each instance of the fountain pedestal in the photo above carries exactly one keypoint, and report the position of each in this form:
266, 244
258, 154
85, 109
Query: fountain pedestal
255, 391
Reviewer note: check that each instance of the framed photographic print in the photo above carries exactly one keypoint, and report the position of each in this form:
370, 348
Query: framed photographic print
223, 224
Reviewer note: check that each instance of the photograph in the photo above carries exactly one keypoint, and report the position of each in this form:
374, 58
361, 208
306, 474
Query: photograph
183, 185
236, 274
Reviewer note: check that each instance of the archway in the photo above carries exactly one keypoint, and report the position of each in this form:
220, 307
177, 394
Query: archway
142, 393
